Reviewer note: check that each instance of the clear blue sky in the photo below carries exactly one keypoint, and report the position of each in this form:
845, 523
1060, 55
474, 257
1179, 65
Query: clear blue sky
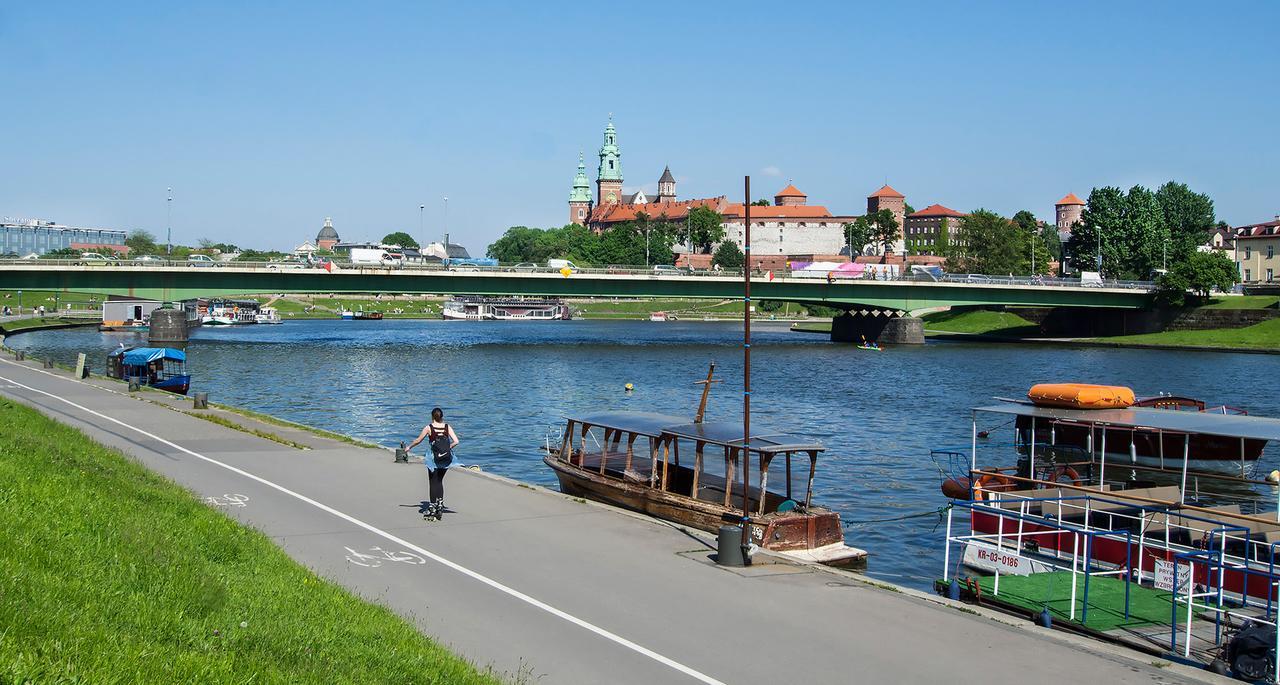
267, 117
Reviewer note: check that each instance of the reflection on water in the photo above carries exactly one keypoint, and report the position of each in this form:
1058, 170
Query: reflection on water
503, 385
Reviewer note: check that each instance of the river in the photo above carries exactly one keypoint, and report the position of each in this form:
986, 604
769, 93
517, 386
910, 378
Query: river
505, 385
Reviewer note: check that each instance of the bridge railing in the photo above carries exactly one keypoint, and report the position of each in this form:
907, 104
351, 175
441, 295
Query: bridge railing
619, 270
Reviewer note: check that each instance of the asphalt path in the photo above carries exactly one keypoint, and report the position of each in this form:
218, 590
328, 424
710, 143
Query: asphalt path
548, 589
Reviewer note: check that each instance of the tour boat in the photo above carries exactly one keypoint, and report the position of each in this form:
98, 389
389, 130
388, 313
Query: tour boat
504, 309
229, 313
163, 368
360, 314
1064, 507
659, 316
268, 315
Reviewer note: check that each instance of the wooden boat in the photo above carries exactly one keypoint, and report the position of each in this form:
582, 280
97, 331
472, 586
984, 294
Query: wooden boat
633, 460
163, 368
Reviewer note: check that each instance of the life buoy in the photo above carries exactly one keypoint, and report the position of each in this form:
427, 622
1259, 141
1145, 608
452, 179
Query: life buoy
985, 481
1058, 473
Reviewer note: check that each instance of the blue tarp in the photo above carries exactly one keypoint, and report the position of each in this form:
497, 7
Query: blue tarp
139, 356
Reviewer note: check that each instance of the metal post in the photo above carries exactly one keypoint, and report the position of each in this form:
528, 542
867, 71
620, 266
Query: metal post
1102, 470
1075, 563
1088, 557
746, 359
1186, 457
421, 230
1031, 463
1128, 570
946, 550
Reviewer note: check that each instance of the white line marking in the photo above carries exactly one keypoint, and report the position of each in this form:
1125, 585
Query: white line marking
697, 675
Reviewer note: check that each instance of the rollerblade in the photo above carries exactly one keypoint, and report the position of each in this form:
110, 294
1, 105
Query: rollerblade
433, 510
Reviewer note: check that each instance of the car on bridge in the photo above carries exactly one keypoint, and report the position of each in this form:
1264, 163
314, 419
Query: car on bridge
201, 260
97, 259
148, 259
667, 270
524, 267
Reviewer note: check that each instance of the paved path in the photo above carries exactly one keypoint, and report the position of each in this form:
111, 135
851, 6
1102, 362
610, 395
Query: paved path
555, 590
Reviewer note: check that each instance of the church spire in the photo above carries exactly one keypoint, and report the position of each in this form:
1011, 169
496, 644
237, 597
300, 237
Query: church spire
609, 174
581, 186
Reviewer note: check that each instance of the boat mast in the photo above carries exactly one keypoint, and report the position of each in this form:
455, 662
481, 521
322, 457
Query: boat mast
746, 367
706, 390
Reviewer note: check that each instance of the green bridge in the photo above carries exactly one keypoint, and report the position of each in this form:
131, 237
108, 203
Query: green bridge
874, 304
179, 283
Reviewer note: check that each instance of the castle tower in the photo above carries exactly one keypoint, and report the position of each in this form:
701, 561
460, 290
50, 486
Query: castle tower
892, 200
789, 197
667, 186
609, 175
580, 196
1069, 210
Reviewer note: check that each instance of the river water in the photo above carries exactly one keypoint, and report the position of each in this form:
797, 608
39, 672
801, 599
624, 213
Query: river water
504, 385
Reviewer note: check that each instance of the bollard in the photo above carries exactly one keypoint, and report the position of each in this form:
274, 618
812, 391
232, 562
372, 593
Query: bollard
48, 363
20, 355
200, 401
82, 365
729, 546
402, 454
134, 385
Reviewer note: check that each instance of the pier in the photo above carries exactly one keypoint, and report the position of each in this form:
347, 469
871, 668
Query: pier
565, 591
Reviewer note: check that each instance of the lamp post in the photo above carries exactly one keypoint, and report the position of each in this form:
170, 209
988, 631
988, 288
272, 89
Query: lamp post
688, 225
446, 226
168, 224
421, 232
1098, 259
1164, 254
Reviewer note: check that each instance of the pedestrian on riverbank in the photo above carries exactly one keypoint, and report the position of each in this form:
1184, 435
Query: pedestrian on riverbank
441, 438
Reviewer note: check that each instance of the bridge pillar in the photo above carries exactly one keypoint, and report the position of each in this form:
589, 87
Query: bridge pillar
879, 327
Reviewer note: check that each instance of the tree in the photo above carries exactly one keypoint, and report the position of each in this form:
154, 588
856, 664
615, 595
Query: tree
1099, 226
988, 243
907, 209
400, 238
141, 242
1200, 273
518, 244
1188, 217
761, 203
728, 256
62, 253
705, 228
857, 235
943, 244
884, 229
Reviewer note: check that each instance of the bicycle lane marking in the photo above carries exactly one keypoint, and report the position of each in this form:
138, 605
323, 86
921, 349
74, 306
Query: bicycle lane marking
474, 575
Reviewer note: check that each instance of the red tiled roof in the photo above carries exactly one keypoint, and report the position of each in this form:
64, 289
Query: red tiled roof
1070, 199
790, 191
616, 213
1266, 229
783, 212
936, 210
886, 191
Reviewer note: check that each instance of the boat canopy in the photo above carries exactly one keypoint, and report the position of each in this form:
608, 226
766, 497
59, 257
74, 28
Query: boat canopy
1204, 423
139, 356
727, 433
642, 423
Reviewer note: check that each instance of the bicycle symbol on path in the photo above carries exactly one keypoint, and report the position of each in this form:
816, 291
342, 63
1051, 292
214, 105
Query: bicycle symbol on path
378, 556
227, 500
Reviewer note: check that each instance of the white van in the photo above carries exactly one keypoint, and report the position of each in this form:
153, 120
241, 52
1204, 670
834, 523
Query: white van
558, 264
375, 256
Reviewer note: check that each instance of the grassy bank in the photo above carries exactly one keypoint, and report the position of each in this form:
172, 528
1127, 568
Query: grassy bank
1243, 302
35, 324
112, 574
980, 322
1260, 336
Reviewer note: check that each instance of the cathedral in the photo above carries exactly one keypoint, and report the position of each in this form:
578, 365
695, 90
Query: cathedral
582, 210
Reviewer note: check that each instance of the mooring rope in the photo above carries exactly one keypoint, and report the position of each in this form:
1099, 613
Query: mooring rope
939, 512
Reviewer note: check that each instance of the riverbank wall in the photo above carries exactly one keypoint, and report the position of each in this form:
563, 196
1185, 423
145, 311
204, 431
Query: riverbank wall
1080, 322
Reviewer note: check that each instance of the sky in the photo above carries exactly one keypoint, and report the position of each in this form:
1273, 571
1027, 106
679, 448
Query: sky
266, 117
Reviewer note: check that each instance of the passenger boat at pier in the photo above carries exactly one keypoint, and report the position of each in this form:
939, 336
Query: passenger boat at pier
504, 309
1066, 516
359, 314
268, 315
163, 368
227, 312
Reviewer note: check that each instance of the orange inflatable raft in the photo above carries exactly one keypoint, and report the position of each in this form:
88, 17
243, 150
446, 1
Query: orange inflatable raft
1080, 396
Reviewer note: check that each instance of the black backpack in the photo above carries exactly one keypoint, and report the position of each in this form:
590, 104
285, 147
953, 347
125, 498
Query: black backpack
440, 449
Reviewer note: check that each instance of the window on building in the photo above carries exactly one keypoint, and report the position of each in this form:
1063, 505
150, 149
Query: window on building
1248, 275
1270, 276
1271, 252
1248, 252
581, 213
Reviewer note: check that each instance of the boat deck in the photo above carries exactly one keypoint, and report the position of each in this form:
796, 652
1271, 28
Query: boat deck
711, 487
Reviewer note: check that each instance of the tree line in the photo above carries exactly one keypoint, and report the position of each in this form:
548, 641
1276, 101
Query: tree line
644, 240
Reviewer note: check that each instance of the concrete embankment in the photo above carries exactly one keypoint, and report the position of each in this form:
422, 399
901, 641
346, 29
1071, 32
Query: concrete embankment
556, 589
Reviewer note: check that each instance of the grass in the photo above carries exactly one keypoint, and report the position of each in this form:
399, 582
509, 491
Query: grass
10, 327
812, 327
114, 575
214, 418
1260, 336
983, 322
1243, 302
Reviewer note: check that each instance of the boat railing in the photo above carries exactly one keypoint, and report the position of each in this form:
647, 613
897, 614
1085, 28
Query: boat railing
1213, 598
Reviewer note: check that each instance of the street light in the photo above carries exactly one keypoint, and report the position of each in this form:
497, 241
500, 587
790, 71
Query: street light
446, 226
421, 232
168, 224
689, 228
